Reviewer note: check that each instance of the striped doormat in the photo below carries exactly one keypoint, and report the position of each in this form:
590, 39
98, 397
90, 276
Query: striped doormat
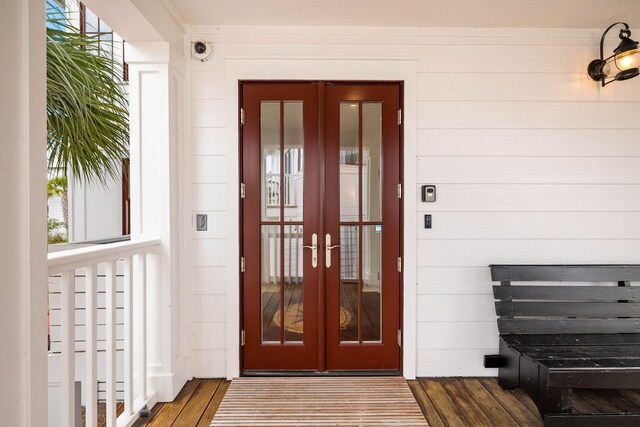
371, 401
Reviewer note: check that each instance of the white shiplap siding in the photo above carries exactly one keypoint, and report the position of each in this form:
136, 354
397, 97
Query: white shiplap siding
533, 162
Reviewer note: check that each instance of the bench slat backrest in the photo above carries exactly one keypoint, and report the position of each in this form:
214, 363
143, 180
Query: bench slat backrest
563, 308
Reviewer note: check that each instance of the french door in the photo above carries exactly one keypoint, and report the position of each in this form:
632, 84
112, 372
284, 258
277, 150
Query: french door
321, 224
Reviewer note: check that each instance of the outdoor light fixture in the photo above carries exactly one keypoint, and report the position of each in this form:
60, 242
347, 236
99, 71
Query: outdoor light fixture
624, 62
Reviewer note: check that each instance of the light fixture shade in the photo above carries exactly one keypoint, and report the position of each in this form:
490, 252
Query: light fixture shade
624, 64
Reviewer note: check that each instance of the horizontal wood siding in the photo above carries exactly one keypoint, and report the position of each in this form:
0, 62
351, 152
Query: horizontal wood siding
533, 164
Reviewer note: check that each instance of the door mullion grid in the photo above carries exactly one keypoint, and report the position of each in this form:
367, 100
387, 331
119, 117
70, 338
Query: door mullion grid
281, 202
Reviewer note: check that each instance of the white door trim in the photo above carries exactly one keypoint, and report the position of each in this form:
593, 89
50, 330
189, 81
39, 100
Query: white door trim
324, 69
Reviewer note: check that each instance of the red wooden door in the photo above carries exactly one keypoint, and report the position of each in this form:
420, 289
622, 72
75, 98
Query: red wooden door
362, 216
280, 212
321, 226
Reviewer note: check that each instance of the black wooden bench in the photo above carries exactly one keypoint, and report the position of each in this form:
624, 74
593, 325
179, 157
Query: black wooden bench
557, 337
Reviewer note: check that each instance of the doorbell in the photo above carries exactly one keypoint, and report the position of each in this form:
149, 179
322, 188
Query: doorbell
428, 193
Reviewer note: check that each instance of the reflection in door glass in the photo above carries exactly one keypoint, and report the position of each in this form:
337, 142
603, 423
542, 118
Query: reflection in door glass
270, 283
371, 282
293, 284
271, 156
371, 161
349, 161
349, 283
293, 180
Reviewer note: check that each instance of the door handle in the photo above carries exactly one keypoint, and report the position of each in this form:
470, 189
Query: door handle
314, 250
327, 250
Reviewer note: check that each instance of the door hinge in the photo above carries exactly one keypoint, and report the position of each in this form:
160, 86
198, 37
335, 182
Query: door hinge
399, 117
399, 191
242, 338
399, 337
242, 116
242, 264
399, 264
242, 194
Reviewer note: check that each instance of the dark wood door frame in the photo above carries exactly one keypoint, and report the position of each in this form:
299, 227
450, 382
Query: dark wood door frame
321, 294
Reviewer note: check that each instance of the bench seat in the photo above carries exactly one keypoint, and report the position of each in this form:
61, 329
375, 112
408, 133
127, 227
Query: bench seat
556, 337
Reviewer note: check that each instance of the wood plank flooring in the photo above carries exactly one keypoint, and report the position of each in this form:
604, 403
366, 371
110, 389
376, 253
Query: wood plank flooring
482, 402
463, 402
444, 402
194, 406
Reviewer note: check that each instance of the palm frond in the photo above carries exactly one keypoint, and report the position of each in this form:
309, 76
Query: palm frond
87, 116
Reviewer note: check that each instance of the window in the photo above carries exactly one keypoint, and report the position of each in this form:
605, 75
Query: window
111, 44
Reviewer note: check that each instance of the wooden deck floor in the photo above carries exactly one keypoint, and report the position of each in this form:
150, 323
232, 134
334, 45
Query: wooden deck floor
194, 406
445, 402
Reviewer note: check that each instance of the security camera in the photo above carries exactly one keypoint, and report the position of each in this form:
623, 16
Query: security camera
201, 51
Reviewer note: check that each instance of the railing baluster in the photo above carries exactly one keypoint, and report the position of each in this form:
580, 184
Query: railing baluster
128, 337
110, 324
91, 355
136, 393
68, 324
140, 332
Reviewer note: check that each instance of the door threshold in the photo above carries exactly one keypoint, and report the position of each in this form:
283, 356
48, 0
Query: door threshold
379, 373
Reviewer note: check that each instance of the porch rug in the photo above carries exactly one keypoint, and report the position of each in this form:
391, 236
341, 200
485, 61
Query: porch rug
341, 401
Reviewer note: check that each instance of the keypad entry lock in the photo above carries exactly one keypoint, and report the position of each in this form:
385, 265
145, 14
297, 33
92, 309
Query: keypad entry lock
428, 193
314, 250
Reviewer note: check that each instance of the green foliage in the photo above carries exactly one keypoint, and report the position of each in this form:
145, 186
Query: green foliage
57, 186
53, 235
87, 116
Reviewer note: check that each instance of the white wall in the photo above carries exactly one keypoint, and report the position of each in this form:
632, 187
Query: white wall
95, 211
533, 162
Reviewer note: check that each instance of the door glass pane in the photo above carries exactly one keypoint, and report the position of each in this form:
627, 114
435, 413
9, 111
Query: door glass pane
270, 148
349, 161
270, 283
293, 284
349, 283
371, 282
293, 161
371, 161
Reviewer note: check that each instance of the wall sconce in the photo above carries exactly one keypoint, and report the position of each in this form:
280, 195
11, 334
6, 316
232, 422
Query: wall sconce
624, 62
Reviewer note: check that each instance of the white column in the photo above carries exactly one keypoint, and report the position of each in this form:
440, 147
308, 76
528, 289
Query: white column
155, 114
23, 217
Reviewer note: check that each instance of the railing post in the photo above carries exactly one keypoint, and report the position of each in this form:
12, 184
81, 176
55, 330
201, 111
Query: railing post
91, 355
68, 324
128, 337
110, 324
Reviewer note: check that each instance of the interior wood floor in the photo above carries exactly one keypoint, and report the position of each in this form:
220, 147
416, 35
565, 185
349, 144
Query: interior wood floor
445, 402
348, 300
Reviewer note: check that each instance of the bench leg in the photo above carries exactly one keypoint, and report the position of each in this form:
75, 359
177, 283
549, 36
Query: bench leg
534, 380
553, 401
508, 376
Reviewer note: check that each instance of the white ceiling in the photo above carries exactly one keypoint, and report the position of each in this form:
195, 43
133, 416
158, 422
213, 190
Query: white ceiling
415, 13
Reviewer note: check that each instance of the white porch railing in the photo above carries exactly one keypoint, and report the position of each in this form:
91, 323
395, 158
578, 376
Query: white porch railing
86, 262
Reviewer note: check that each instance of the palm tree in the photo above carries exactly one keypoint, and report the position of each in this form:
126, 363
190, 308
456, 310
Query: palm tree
57, 187
87, 116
